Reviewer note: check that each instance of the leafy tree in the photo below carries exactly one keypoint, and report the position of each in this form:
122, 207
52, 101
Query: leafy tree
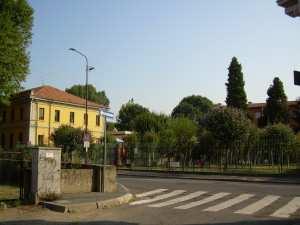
192, 107
93, 95
228, 127
145, 122
251, 149
149, 121
16, 18
236, 95
276, 109
205, 148
167, 144
131, 143
111, 126
68, 138
96, 150
150, 141
295, 117
127, 115
185, 132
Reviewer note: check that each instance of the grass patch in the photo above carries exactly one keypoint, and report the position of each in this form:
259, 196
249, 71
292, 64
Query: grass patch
8, 192
9, 196
214, 170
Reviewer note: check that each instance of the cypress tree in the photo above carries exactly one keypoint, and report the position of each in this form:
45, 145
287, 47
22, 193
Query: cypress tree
236, 95
276, 109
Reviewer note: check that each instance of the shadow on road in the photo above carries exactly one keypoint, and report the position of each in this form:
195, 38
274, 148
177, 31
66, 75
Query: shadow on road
44, 222
257, 222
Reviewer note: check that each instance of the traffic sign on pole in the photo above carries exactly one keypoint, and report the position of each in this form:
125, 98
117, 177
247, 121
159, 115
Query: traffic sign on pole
86, 144
297, 77
86, 137
107, 114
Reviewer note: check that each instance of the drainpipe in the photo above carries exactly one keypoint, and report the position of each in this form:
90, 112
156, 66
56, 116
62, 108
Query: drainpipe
49, 125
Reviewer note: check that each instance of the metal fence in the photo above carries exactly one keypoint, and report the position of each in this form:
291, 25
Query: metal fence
14, 166
265, 156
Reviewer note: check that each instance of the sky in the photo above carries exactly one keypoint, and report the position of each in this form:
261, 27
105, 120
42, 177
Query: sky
159, 51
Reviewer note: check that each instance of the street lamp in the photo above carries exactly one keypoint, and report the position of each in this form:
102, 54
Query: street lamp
87, 69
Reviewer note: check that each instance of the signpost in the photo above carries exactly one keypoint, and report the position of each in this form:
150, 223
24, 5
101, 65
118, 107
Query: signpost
86, 141
297, 77
110, 115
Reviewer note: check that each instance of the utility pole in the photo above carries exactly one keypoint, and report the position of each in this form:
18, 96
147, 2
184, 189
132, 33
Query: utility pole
86, 138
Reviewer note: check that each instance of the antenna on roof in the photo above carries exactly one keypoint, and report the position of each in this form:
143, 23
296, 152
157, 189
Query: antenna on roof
42, 80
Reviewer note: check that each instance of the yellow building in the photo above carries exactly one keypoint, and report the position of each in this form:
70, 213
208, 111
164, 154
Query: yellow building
34, 114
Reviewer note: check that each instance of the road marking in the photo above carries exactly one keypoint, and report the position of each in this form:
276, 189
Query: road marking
159, 197
288, 209
229, 203
203, 201
256, 206
180, 199
148, 193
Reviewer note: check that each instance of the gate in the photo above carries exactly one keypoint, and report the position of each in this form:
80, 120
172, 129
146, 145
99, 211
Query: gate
15, 170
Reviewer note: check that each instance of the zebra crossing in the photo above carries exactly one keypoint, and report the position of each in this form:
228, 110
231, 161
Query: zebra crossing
182, 200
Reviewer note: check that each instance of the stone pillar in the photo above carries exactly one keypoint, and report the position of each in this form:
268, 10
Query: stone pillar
46, 172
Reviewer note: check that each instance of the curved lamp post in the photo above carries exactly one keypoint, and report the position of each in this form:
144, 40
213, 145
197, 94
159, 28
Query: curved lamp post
87, 69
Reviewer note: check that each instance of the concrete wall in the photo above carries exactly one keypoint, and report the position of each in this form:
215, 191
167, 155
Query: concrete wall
76, 180
109, 181
96, 179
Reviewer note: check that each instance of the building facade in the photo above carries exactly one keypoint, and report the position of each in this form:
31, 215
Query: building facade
257, 109
34, 114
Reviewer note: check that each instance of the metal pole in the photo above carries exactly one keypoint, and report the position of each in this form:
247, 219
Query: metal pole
86, 107
104, 159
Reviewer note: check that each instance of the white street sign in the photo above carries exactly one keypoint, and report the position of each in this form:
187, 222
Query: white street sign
107, 114
86, 144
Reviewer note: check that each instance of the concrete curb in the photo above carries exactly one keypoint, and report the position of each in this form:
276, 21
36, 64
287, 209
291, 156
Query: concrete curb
158, 174
84, 207
115, 202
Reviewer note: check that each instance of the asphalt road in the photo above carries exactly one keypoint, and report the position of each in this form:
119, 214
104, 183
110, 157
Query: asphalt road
225, 207
183, 201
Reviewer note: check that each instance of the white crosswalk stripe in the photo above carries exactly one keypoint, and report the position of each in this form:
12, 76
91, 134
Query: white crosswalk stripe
287, 210
159, 197
203, 201
256, 206
148, 193
180, 199
229, 203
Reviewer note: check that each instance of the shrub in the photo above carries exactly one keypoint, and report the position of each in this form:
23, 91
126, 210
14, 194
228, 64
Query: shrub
131, 144
227, 125
280, 141
185, 133
230, 129
167, 143
68, 138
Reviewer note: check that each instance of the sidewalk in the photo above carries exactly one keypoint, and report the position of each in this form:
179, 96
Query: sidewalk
89, 201
230, 178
